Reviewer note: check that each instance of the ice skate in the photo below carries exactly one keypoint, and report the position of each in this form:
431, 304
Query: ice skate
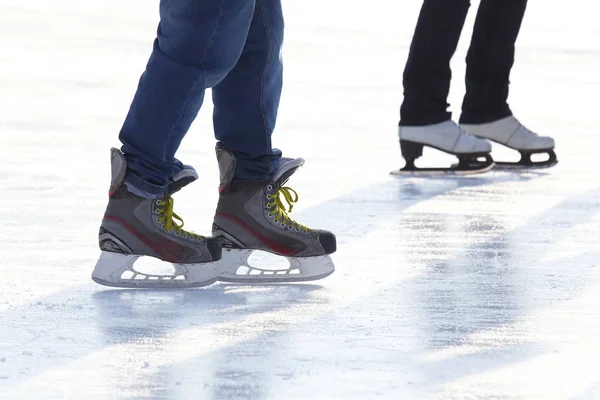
251, 216
135, 227
473, 154
511, 133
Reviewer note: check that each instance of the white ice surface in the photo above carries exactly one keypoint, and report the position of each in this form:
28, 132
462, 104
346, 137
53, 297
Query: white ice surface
470, 288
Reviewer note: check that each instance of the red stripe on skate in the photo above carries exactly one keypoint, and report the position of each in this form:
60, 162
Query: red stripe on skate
276, 247
166, 249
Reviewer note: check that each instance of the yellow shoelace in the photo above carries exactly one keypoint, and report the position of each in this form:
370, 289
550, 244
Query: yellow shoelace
167, 216
280, 211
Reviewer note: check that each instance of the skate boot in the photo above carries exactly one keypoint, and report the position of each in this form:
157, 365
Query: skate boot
135, 226
511, 133
251, 216
473, 154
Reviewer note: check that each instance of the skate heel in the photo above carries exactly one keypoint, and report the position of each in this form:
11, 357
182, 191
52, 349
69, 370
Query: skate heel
235, 267
411, 150
118, 270
111, 266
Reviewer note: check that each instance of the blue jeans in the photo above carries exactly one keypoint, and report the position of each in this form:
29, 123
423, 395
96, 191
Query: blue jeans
231, 46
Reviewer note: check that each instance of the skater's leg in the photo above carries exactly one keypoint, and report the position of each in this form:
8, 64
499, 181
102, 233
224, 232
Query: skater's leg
427, 72
251, 213
424, 119
247, 100
198, 43
485, 111
490, 60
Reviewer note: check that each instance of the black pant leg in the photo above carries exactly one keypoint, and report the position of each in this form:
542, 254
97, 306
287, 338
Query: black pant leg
427, 72
490, 60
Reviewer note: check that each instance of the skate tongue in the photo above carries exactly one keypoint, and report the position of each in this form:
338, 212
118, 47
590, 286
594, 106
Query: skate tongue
183, 178
227, 163
286, 168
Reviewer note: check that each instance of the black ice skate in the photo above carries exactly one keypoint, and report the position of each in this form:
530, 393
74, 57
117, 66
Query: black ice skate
135, 227
251, 216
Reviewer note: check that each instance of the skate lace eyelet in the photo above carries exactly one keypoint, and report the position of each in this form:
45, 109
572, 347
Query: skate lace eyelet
269, 188
279, 213
168, 219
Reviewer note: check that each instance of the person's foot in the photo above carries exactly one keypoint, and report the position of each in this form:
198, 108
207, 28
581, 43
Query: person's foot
135, 226
473, 154
253, 215
511, 133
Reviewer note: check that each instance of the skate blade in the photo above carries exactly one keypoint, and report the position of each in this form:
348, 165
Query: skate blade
117, 270
526, 164
462, 168
508, 166
235, 268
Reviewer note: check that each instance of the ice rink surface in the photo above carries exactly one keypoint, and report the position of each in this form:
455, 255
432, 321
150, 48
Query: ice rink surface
459, 288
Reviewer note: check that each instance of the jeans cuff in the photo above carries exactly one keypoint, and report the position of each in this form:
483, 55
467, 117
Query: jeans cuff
141, 188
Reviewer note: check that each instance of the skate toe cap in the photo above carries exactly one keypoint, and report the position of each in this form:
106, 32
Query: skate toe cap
483, 146
469, 144
543, 142
328, 241
480, 146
